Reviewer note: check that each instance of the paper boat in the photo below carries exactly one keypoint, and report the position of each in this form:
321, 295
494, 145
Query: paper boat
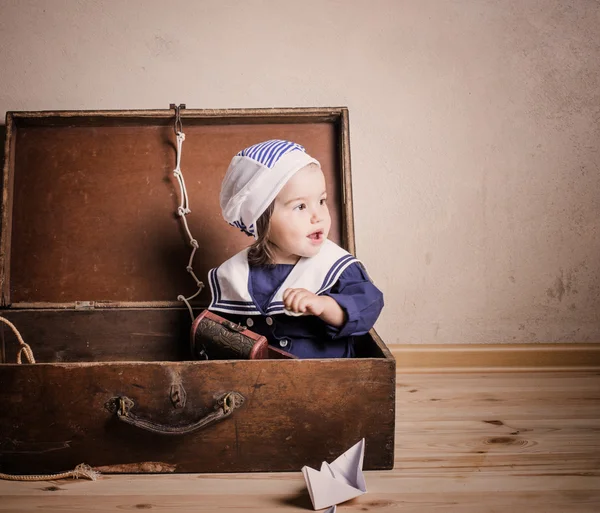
339, 481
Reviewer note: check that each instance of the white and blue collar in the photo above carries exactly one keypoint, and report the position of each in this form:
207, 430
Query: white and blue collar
229, 282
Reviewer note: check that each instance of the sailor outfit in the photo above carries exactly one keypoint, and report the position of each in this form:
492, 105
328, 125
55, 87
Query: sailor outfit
253, 296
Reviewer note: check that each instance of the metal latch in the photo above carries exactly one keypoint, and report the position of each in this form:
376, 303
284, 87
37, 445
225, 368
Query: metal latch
85, 305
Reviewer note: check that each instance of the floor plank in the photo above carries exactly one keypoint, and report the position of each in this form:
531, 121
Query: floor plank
465, 443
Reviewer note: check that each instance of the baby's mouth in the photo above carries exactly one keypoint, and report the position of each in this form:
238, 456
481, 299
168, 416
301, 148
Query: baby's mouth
316, 236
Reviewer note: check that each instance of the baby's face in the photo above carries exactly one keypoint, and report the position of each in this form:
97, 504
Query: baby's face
300, 221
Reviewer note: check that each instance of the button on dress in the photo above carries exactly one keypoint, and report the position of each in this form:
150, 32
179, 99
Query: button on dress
308, 336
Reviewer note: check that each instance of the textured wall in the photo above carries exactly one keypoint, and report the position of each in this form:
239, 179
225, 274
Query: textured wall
474, 130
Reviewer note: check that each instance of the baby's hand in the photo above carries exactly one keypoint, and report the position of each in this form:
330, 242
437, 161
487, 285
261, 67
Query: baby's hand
304, 302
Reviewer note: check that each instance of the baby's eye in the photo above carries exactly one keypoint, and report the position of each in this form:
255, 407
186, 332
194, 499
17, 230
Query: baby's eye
302, 206
323, 201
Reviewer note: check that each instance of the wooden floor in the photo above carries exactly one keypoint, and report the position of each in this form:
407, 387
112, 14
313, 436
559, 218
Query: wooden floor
470, 442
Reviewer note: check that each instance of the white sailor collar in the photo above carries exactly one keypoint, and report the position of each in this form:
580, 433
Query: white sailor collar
229, 282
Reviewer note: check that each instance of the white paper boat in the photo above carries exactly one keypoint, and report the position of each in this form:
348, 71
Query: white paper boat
339, 481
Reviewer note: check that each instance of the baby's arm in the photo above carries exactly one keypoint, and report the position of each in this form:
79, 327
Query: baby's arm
324, 307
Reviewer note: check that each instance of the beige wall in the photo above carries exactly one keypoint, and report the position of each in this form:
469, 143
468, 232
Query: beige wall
474, 131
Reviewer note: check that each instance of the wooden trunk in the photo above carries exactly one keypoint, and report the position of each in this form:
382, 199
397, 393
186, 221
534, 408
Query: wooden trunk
93, 258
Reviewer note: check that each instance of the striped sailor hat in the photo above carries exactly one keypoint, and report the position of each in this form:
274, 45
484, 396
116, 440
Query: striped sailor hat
255, 177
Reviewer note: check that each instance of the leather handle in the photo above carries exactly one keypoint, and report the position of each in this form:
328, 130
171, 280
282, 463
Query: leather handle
224, 407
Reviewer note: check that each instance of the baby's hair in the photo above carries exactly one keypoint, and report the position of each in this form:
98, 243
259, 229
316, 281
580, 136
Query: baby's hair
260, 251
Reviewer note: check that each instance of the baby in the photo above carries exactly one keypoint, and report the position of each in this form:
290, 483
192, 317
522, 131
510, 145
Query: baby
303, 292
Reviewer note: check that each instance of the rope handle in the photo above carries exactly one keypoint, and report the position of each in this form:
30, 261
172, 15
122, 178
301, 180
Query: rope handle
184, 207
82, 470
25, 349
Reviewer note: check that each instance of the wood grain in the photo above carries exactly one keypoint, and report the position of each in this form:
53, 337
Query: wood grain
458, 357
118, 334
465, 443
104, 179
296, 411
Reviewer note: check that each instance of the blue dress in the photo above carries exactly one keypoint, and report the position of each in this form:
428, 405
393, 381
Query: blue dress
308, 336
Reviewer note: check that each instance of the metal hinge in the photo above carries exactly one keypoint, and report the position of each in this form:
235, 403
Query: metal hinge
85, 305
